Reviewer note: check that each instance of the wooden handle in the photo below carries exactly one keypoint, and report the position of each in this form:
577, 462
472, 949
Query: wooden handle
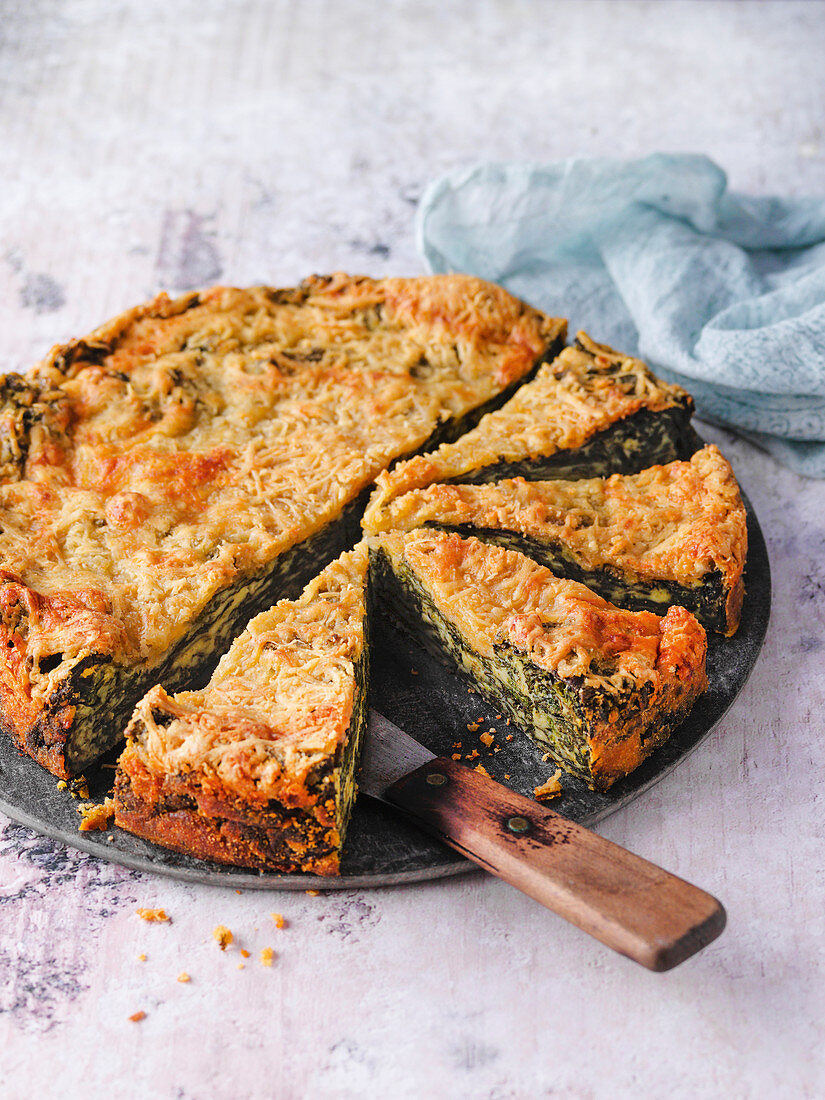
631, 905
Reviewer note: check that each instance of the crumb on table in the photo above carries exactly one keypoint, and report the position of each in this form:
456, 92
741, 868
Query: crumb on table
267, 955
486, 739
280, 921
483, 770
183, 976
312, 893
244, 953
136, 1017
222, 936
154, 916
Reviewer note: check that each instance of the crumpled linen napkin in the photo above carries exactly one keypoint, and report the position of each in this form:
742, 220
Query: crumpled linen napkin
721, 292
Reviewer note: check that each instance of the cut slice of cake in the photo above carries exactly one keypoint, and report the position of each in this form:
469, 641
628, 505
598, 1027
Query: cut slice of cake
590, 413
597, 687
193, 461
258, 768
674, 534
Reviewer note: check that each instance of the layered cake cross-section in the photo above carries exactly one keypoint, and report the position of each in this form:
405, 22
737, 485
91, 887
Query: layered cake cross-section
258, 768
596, 687
672, 534
591, 412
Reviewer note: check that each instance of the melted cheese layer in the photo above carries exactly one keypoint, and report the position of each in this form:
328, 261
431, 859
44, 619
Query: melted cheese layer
675, 522
280, 702
188, 443
500, 596
583, 391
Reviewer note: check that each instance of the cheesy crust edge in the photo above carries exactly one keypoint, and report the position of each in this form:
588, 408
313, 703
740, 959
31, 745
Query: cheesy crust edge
171, 456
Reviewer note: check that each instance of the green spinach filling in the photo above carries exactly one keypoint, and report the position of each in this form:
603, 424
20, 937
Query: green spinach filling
105, 692
554, 713
707, 599
629, 446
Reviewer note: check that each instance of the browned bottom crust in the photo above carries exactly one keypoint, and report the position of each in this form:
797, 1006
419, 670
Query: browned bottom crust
278, 839
733, 607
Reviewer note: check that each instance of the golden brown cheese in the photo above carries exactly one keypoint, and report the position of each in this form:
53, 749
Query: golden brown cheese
272, 724
585, 390
676, 522
599, 688
502, 596
189, 443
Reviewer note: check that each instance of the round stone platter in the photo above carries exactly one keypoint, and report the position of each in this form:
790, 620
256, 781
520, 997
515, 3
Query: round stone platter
433, 704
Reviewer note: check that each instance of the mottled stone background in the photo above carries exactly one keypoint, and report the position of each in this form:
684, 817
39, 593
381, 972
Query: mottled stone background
155, 144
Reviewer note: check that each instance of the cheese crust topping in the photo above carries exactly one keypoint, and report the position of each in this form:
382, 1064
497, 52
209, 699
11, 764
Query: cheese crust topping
502, 597
678, 521
279, 703
188, 443
583, 391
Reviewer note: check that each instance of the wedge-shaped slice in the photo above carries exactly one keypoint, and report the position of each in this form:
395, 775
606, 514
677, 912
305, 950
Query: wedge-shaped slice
258, 768
590, 413
193, 461
674, 534
597, 687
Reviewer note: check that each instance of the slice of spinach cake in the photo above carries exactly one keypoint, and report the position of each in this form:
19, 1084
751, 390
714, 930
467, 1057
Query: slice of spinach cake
590, 413
258, 768
192, 461
673, 534
597, 687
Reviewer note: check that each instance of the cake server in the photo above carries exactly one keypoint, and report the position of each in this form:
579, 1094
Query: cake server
629, 904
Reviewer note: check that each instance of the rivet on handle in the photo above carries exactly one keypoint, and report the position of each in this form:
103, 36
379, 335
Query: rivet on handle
436, 779
518, 825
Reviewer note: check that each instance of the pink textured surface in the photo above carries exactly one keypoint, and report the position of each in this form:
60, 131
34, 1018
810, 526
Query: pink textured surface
153, 145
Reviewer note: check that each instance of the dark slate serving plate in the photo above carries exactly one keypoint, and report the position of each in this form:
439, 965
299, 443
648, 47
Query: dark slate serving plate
434, 705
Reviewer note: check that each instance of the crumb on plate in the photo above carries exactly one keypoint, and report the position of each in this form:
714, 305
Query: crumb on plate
95, 815
550, 789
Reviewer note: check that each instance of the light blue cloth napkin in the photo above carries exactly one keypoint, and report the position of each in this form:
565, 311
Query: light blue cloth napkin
721, 292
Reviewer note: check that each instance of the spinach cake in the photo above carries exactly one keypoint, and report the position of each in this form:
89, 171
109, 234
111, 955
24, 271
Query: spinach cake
258, 768
591, 412
192, 461
596, 687
673, 534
